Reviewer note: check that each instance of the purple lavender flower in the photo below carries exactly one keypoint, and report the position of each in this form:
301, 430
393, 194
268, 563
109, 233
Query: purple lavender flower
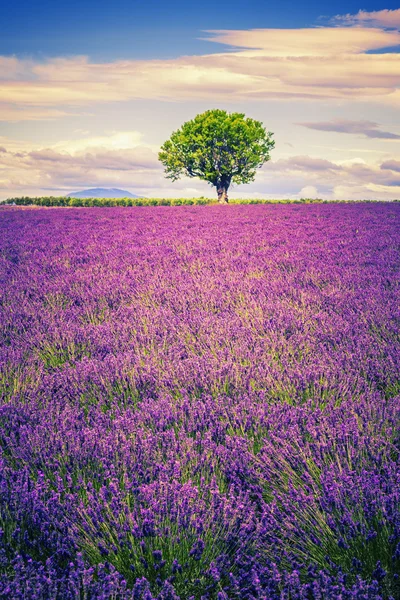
197, 403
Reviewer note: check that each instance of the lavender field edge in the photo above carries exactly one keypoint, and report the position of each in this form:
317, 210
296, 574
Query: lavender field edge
71, 201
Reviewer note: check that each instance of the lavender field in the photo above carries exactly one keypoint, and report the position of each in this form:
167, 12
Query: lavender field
200, 403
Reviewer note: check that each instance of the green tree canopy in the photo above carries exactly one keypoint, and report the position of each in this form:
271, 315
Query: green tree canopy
218, 147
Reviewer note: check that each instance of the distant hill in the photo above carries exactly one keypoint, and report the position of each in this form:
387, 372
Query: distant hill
102, 193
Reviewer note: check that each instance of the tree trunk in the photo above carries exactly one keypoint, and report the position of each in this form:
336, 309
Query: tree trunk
222, 191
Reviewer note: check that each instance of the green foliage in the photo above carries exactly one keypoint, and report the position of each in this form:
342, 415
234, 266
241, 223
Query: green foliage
110, 202
105, 202
218, 147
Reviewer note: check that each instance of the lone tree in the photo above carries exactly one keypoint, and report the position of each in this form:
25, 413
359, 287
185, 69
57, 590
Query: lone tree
218, 147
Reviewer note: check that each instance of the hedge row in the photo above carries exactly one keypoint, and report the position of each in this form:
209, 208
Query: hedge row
66, 201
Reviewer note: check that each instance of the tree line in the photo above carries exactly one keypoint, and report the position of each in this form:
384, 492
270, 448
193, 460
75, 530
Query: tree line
89, 202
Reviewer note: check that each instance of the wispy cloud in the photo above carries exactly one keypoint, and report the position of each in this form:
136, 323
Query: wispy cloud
368, 129
379, 18
312, 41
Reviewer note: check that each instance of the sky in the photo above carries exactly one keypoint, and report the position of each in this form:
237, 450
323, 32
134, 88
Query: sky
89, 90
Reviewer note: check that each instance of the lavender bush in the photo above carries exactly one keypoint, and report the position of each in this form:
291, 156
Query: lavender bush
200, 403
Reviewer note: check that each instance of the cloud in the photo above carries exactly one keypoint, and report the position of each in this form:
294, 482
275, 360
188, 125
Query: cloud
114, 160
366, 128
113, 140
391, 165
13, 68
358, 178
121, 159
14, 114
303, 164
314, 64
317, 41
309, 191
380, 18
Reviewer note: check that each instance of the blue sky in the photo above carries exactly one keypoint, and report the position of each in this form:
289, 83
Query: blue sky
90, 90
149, 28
